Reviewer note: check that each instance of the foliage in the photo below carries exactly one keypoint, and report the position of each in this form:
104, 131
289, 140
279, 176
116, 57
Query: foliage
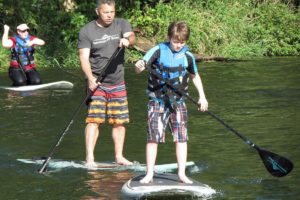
231, 28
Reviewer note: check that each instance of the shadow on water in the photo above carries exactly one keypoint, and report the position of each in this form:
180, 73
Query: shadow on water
259, 98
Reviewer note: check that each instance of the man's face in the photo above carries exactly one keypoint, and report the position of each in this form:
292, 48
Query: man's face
106, 14
177, 45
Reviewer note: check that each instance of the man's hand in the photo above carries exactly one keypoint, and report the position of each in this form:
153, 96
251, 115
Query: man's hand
124, 42
93, 84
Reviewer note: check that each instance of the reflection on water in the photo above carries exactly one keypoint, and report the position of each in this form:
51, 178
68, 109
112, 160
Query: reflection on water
106, 185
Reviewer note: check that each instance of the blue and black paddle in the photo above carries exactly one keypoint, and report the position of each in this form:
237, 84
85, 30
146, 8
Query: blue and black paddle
276, 165
86, 98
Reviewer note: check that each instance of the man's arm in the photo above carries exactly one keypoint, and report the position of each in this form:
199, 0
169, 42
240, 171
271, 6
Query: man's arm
131, 37
128, 39
84, 54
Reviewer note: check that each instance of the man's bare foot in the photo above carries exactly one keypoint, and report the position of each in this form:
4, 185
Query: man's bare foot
147, 179
123, 161
90, 165
184, 179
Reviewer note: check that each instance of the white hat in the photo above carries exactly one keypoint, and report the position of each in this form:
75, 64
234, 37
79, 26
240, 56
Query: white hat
22, 27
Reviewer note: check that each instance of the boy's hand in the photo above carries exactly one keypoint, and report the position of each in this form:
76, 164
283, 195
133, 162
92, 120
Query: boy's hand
203, 104
140, 66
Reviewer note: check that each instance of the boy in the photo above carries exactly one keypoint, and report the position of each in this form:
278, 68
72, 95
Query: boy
169, 64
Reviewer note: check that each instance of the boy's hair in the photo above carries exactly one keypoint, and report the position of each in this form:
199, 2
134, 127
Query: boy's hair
179, 31
109, 2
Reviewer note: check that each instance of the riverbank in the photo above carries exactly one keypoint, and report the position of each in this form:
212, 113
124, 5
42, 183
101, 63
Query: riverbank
220, 30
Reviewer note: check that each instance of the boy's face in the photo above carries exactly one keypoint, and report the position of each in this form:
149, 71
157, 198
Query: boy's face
177, 45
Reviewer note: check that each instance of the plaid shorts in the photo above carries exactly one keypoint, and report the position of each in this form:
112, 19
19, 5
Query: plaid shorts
159, 118
109, 103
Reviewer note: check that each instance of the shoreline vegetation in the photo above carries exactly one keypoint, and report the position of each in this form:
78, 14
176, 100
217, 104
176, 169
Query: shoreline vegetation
230, 30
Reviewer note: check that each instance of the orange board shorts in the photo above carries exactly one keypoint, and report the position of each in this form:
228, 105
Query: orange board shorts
109, 103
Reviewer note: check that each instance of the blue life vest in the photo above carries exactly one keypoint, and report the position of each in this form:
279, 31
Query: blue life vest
172, 66
21, 53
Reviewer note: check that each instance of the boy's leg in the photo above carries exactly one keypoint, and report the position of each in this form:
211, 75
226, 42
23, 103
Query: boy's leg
178, 128
151, 152
181, 154
91, 136
157, 121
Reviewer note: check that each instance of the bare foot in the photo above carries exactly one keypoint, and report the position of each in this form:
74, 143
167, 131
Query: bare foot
147, 179
90, 165
123, 161
185, 179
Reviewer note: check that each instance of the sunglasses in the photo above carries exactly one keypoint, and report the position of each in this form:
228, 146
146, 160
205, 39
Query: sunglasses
26, 30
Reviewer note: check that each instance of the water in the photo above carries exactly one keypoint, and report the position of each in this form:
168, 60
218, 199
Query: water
259, 98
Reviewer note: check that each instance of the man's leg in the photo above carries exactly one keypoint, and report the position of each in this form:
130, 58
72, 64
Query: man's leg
91, 135
118, 135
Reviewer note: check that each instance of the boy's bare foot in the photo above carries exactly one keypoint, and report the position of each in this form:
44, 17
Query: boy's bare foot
147, 179
184, 179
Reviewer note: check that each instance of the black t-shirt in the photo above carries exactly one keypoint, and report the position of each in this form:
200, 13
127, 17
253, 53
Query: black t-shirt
103, 42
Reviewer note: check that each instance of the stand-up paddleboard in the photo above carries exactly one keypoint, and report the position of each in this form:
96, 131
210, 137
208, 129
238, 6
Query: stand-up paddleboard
109, 166
59, 85
165, 185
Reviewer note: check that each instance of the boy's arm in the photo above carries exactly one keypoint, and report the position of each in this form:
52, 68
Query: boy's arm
199, 86
148, 59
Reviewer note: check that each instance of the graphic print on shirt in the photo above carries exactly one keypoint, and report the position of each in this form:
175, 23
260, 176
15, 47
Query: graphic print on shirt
106, 38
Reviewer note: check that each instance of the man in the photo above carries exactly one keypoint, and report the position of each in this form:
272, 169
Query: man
22, 68
98, 40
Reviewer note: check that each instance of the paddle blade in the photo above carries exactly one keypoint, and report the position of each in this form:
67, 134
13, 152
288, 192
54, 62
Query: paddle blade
277, 165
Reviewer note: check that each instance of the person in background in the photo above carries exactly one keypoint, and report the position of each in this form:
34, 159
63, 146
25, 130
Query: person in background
170, 61
22, 70
97, 42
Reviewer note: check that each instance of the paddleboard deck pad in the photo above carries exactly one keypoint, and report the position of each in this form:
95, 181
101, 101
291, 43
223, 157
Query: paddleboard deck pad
59, 85
57, 164
165, 185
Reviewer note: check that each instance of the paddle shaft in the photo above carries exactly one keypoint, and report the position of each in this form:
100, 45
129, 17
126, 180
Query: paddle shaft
277, 165
155, 73
99, 79
247, 141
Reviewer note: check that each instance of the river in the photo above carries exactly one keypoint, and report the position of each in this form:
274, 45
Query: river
259, 98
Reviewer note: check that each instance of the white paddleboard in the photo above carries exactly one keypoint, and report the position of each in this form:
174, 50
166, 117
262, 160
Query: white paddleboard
59, 85
109, 166
164, 185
